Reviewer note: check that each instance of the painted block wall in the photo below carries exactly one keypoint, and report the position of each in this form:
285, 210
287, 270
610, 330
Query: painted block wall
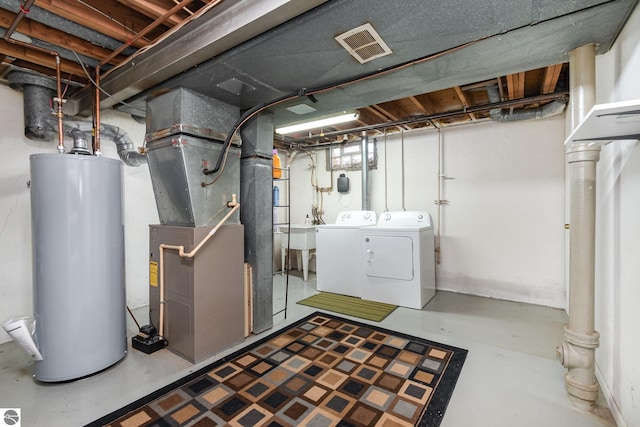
618, 237
503, 228
15, 210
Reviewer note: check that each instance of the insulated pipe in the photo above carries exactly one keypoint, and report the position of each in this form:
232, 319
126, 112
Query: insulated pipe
24, 9
234, 205
547, 110
365, 172
577, 352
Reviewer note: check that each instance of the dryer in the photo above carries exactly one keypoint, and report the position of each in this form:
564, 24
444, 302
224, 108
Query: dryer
337, 249
397, 259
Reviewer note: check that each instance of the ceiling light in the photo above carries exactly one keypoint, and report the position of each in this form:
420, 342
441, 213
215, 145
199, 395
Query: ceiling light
327, 121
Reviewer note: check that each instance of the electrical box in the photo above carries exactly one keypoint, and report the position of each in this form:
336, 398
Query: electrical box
343, 184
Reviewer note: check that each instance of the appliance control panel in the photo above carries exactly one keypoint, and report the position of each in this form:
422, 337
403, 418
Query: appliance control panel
357, 218
405, 219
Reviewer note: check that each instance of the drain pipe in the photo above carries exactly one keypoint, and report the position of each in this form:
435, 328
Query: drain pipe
577, 352
365, 172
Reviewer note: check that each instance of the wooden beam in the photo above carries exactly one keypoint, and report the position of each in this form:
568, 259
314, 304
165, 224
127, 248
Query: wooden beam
386, 115
550, 79
151, 10
464, 100
84, 15
47, 34
515, 85
40, 58
50, 72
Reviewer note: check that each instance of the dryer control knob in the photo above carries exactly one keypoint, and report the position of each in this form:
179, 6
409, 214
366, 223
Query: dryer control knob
387, 216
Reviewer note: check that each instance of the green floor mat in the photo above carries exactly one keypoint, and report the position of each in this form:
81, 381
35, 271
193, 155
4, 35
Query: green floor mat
350, 306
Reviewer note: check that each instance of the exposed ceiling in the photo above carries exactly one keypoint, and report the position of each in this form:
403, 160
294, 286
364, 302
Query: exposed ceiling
446, 59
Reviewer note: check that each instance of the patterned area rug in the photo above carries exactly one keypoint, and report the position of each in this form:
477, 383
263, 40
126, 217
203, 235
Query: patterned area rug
351, 306
321, 371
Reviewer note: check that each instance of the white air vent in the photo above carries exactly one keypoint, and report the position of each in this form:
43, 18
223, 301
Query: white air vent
363, 43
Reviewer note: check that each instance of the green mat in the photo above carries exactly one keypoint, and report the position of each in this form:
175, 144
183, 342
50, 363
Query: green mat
350, 306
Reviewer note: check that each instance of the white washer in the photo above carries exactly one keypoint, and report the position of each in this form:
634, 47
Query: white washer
337, 249
397, 259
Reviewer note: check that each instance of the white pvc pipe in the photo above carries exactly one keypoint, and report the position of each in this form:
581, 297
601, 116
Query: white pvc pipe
234, 205
577, 352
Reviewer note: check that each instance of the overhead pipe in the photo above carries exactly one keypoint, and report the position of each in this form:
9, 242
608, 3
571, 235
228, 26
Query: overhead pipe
145, 31
577, 351
498, 114
431, 117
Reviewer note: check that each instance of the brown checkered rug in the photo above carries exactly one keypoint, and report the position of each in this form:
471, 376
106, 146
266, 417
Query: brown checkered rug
321, 371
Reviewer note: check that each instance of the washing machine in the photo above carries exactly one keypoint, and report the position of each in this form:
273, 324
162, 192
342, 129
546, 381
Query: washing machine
337, 249
397, 259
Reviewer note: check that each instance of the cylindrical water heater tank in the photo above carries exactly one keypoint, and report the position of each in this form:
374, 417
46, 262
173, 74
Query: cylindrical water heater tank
78, 264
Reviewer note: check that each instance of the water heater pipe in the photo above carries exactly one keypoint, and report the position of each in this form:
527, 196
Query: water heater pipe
124, 145
234, 205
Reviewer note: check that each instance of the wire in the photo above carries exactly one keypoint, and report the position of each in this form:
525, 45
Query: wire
96, 85
133, 317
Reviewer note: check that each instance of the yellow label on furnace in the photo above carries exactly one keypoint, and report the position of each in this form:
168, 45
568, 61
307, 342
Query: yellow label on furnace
153, 273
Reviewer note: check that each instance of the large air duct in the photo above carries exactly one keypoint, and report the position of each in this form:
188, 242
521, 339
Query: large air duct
542, 112
181, 142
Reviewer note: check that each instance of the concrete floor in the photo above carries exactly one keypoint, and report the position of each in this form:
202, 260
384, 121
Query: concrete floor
511, 376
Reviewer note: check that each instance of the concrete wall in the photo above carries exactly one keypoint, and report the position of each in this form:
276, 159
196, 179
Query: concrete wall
618, 237
15, 210
503, 229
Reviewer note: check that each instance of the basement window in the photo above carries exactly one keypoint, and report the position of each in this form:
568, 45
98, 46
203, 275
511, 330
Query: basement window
349, 156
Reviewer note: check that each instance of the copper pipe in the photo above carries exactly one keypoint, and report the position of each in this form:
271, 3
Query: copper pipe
96, 117
59, 101
24, 9
144, 31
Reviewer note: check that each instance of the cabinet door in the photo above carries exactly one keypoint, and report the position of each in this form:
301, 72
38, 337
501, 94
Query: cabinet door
388, 257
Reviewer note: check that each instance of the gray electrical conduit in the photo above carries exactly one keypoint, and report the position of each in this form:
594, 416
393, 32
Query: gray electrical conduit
126, 149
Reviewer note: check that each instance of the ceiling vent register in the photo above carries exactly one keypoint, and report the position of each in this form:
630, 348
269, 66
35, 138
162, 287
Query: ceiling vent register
364, 43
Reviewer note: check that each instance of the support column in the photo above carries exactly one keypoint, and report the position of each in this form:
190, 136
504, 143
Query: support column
256, 172
577, 352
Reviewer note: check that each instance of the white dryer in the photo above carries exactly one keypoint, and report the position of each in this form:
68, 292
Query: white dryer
337, 249
397, 258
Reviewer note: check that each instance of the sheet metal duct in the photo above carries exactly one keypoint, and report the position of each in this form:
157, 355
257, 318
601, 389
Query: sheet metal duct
180, 145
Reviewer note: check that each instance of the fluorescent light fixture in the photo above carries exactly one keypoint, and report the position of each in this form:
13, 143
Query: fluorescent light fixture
327, 121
